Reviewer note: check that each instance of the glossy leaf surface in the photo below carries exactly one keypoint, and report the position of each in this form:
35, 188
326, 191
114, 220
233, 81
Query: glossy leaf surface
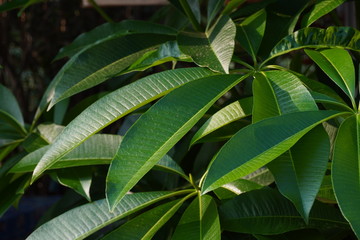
225, 116
160, 128
212, 49
114, 106
258, 144
320, 8
345, 171
84, 220
344, 37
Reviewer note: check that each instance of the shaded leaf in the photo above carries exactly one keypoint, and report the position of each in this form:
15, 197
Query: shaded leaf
78, 179
160, 128
109, 31
199, 221
146, 224
267, 212
114, 106
212, 49
251, 31
326, 191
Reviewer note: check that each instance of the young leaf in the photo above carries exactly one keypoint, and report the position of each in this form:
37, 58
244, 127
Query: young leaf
250, 32
321, 8
267, 212
338, 65
80, 222
212, 49
259, 143
109, 31
345, 171
113, 56
232, 112
343, 37
147, 224
200, 221
112, 107
160, 128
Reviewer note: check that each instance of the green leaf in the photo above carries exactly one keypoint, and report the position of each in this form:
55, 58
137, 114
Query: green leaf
329, 102
338, 65
212, 49
200, 221
345, 171
231, 5
113, 56
261, 143
299, 172
23, 4
146, 224
80, 222
251, 31
235, 188
267, 212
109, 31
99, 149
112, 107
232, 112
340, 37
213, 9
160, 128
10, 110
321, 8
167, 52
279, 92
78, 179
326, 191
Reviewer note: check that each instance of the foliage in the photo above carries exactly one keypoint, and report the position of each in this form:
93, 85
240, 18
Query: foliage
230, 140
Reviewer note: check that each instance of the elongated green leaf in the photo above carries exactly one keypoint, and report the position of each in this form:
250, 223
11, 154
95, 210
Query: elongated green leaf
212, 49
114, 106
109, 31
99, 149
200, 221
167, 52
146, 225
10, 110
78, 179
160, 128
225, 116
329, 102
267, 212
345, 171
320, 8
299, 172
338, 65
262, 176
82, 221
231, 6
343, 37
259, 143
251, 31
113, 56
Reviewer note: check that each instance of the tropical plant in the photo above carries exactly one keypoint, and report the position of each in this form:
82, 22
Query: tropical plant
240, 136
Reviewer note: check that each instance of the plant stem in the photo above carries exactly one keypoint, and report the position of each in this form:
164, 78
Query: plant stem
100, 11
